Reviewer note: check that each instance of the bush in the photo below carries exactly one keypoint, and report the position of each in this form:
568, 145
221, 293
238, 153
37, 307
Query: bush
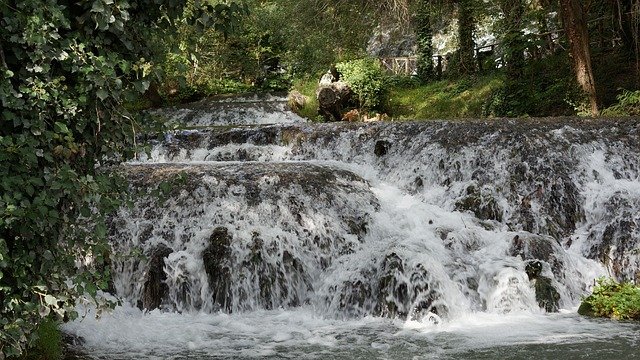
367, 80
546, 88
614, 300
628, 104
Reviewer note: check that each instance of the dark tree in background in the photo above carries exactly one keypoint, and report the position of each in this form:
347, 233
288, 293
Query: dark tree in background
466, 44
574, 19
512, 36
424, 35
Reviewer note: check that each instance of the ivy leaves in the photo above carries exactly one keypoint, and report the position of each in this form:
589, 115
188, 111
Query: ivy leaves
66, 69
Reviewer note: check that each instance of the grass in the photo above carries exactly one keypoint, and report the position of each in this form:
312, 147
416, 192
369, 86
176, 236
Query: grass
444, 99
307, 87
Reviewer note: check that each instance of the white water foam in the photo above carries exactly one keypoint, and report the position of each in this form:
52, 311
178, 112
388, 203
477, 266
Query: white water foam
128, 333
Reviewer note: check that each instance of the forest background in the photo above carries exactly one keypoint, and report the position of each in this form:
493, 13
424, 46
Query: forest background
497, 58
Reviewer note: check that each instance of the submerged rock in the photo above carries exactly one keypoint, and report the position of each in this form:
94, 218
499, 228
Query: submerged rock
540, 178
231, 110
546, 294
391, 290
483, 206
270, 227
155, 287
538, 251
217, 265
541, 254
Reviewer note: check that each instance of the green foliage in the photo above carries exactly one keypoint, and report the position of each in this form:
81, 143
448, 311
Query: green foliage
367, 79
544, 88
278, 42
243, 60
615, 300
308, 87
628, 104
67, 67
424, 39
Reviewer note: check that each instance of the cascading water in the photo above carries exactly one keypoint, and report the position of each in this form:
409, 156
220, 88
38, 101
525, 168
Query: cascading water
384, 240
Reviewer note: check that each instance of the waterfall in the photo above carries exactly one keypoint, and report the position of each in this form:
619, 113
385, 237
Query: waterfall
418, 222
398, 219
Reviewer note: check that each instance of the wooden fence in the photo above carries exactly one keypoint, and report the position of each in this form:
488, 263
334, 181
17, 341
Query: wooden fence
407, 65
400, 65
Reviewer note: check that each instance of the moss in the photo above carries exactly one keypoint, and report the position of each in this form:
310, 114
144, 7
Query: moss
546, 295
48, 343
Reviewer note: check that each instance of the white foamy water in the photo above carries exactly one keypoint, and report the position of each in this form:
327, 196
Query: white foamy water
298, 333
249, 109
303, 244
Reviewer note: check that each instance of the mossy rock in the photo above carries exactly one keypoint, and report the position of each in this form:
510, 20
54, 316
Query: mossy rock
155, 287
614, 300
586, 309
546, 295
482, 205
216, 265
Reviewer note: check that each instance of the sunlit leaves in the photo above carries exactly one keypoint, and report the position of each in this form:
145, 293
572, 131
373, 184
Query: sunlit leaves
615, 300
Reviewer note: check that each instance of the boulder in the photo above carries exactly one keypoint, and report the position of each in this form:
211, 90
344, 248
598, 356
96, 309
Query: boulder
217, 266
155, 287
296, 100
586, 309
546, 295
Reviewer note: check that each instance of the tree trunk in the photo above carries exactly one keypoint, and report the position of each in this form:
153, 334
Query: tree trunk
424, 37
575, 24
331, 99
513, 11
466, 45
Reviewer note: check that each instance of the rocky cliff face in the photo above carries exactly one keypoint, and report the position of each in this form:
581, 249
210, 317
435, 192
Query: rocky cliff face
392, 40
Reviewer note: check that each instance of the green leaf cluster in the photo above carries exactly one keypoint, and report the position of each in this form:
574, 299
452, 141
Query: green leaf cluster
367, 79
66, 69
628, 104
615, 300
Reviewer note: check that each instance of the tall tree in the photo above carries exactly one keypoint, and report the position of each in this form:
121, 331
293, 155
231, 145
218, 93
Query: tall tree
424, 38
574, 19
466, 44
513, 40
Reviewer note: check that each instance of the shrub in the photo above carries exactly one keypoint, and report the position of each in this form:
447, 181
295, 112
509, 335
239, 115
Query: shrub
628, 104
614, 300
367, 80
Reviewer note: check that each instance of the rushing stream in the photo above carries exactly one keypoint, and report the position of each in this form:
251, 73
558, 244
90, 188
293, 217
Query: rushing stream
390, 240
